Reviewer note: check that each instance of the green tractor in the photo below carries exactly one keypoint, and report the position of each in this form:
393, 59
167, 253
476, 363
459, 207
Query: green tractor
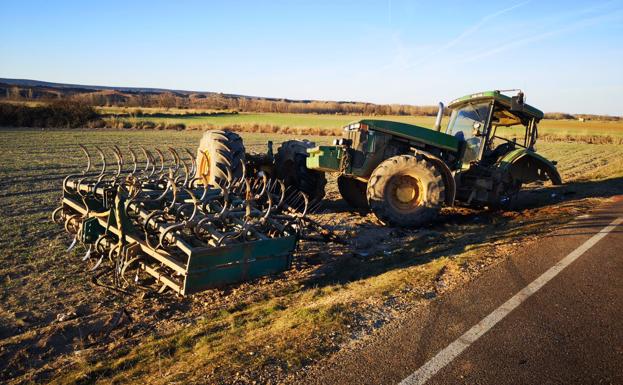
405, 173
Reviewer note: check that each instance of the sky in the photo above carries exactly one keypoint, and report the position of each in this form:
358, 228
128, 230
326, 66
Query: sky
567, 56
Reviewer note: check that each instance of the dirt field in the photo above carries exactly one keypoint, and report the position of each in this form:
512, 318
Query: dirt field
55, 326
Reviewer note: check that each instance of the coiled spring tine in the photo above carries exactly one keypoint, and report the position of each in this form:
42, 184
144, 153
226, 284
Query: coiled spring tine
179, 161
163, 235
84, 149
87, 255
147, 160
119, 158
269, 208
264, 181
134, 163
176, 159
161, 155
306, 205
103, 158
282, 192
193, 163
173, 188
153, 164
195, 203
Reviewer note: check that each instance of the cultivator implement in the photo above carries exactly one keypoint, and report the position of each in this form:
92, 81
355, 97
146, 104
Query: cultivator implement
150, 212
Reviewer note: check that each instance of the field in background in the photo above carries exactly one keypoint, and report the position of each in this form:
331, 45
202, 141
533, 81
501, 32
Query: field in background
263, 330
561, 128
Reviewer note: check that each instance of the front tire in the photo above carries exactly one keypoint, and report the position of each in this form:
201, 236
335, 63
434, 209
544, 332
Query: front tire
406, 191
224, 153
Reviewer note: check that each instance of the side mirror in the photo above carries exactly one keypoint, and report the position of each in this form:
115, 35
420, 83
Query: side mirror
517, 102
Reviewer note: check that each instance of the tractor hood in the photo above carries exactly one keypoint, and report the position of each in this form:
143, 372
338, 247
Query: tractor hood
413, 132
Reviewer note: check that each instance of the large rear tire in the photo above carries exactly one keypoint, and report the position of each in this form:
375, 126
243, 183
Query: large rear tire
406, 190
291, 168
223, 151
353, 191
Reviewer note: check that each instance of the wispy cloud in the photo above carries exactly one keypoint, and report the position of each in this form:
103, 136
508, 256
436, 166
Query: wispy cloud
468, 32
581, 24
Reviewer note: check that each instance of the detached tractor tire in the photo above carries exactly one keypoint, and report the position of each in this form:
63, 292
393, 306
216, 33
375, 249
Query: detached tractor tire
291, 168
406, 191
223, 151
353, 191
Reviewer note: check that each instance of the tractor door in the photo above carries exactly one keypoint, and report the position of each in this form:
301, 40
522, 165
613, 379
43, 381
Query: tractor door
470, 123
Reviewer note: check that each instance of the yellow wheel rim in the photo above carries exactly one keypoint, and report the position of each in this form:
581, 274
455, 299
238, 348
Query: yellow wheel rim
404, 192
204, 167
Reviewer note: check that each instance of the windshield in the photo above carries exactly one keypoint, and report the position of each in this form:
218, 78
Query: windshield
468, 123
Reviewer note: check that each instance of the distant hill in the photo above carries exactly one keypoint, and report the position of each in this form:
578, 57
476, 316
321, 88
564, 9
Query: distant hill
36, 90
40, 83
135, 90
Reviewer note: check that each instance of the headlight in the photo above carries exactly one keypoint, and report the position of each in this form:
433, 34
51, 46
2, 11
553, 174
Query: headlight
342, 142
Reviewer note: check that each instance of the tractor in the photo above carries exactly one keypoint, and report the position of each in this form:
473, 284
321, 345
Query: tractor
405, 173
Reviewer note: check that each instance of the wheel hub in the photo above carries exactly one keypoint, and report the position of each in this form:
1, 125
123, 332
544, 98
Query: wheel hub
405, 191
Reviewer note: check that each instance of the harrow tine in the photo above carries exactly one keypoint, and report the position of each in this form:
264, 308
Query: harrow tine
87, 255
152, 160
230, 176
193, 163
98, 263
264, 181
268, 209
146, 159
282, 192
176, 159
73, 243
179, 161
84, 149
133, 155
119, 158
161, 155
103, 158
248, 198
195, 205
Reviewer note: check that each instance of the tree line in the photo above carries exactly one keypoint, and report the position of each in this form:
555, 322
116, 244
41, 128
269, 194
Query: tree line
210, 101
227, 102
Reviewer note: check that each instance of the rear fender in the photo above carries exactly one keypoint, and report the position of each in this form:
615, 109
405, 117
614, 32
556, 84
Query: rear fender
527, 166
444, 170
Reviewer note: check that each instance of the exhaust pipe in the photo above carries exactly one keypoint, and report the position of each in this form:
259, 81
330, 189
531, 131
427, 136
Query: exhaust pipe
439, 117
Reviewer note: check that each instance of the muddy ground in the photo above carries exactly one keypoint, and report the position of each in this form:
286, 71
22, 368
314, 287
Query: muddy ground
56, 325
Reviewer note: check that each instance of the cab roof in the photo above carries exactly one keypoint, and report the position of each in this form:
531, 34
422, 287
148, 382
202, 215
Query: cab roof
526, 112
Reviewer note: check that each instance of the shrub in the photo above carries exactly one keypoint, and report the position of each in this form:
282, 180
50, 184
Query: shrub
63, 113
176, 126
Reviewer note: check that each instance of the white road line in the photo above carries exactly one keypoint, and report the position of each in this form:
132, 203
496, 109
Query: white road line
450, 352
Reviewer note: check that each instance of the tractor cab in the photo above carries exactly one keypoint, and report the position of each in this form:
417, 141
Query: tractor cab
491, 124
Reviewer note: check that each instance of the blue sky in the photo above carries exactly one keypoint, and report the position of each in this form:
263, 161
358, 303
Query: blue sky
566, 55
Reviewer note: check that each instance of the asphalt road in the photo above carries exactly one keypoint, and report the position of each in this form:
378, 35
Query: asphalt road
568, 329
